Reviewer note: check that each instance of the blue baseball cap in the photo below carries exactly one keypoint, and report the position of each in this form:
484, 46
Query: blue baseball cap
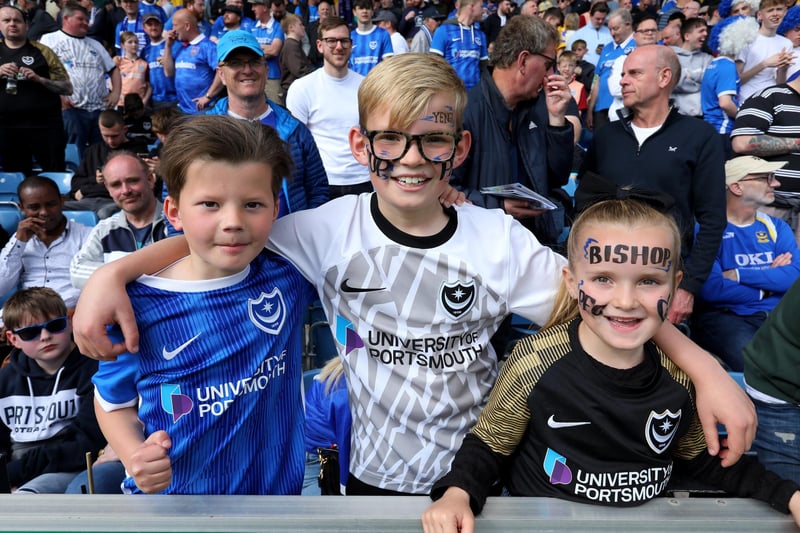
234, 39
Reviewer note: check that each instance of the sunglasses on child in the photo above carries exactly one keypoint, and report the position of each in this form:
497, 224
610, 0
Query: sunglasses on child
29, 333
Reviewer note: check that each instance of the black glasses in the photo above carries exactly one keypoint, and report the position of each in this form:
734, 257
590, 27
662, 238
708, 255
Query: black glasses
239, 64
435, 146
768, 178
650, 31
29, 333
331, 42
548, 61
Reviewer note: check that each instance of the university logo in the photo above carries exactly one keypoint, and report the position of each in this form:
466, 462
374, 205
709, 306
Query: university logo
457, 297
660, 428
175, 403
555, 465
346, 335
268, 312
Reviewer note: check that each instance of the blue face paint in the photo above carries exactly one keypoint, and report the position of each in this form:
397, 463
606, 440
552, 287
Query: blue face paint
586, 245
428, 118
386, 173
666, 268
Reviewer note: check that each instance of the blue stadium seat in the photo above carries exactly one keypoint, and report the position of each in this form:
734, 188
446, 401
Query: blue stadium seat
87, 218
72, 157
9, 181
571, 185
62, 179
10, 217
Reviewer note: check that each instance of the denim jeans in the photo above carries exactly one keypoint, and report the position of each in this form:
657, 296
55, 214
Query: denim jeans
107, 477
777, 443
311, 480
54, 483
81, 127
725, 334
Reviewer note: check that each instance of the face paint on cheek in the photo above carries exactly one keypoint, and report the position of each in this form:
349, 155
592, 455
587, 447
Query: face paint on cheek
589, 303
663, 308
386, 173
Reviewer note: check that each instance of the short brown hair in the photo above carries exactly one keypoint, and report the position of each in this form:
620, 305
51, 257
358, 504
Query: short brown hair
36, 303
222, 138
164, 119
330, 23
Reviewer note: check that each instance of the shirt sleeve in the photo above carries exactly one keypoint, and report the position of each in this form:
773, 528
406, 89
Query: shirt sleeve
115, 383
57, 70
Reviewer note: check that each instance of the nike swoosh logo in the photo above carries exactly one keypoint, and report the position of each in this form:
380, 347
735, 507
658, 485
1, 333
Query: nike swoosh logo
551, 422
347, 288
170, 354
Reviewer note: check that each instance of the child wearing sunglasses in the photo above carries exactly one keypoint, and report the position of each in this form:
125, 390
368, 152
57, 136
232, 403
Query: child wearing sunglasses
46, 395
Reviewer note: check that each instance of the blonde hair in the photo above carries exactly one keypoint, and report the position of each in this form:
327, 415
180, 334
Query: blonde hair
331, 373
396, 83
628, 213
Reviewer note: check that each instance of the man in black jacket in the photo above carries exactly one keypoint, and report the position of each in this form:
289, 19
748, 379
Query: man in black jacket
88, 192
655, 148
517, 116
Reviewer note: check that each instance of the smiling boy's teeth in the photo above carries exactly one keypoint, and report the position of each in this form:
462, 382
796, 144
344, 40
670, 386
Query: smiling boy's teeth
411, 181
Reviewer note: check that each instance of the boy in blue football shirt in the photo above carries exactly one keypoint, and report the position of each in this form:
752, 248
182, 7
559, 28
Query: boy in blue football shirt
371, 44
218, 371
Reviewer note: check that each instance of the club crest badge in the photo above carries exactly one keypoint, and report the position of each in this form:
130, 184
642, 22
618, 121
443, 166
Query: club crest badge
660, 429
268, 312
458, 297
27, 60
373, 45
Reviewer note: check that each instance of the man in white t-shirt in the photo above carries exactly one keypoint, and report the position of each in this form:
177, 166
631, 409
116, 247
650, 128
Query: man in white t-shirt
385, 19
87, 63
765, 62
326, 101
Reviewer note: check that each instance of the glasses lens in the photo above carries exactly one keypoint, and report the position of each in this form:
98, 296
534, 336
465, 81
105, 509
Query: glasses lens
57, 325
389, 145
438, 146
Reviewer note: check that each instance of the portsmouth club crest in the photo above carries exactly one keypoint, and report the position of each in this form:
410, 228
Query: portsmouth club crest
458, 297
268, 311
660, 429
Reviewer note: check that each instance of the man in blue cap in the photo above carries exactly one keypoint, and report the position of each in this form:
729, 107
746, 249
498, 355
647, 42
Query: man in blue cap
242, 70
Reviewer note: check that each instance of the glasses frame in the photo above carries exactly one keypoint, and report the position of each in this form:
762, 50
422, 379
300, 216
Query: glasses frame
34, 331
769, 178
549, 62
650, 31
370, 135
345, 42
239, 65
